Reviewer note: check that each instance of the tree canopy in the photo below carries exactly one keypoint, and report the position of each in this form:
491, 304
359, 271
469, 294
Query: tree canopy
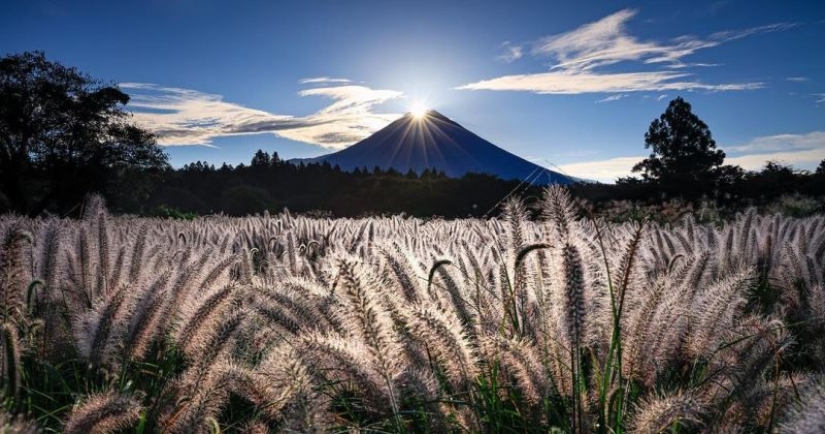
683, 152
64, 134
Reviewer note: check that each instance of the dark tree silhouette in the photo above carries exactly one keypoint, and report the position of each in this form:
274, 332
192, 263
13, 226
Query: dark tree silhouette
260, 160
684, 154
64, 134
820, 170
323, 189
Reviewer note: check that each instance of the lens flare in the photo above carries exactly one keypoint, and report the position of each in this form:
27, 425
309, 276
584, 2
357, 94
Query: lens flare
418, 110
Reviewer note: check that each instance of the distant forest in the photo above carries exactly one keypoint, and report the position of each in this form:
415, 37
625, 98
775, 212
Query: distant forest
269, 183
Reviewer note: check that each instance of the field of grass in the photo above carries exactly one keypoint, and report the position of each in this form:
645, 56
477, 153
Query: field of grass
290, 324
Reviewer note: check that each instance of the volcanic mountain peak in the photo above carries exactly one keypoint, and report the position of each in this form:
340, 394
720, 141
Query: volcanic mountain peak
434, 141
429, 116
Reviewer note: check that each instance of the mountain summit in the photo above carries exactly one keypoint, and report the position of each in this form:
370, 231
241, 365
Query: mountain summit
433, 141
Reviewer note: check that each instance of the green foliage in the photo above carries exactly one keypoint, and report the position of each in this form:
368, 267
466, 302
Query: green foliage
796, 205
168, 212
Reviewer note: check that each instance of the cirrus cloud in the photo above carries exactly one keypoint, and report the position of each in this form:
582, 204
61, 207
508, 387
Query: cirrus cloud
189, 117
574, 82
582, 55
783, 142
511, 52
614, 97
324, 80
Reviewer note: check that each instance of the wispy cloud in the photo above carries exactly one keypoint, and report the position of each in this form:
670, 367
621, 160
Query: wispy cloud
798, 79
783, 142
571, 82
612, 98
190, 117
803, 151
661, 97
583, 54
820, 97
730, 35
681, 65
511, 52
324, 80
807, 159
602, 170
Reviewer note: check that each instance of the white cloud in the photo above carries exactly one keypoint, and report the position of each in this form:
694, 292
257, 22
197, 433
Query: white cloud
324, 80
189, 117
604, 170
807, 159
351, 99
570, 82
581, 53
730, 35
820, 98
691, 65
661, 97
798, 79
803, 151
782, 142
614, 97
511, 53
603, 42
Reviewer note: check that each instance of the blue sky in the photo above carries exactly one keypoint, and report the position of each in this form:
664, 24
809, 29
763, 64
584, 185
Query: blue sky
573, 84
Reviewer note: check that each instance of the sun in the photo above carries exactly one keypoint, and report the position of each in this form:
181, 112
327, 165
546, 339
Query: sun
418, 110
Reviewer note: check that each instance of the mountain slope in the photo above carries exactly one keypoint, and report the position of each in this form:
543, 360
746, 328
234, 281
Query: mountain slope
436, 142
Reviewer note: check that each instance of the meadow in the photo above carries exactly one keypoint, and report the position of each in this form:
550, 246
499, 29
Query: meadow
280, 323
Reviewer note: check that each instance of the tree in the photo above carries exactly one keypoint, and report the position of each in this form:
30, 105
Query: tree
820, 170
64, 134
684, 154
728, 176
260, 160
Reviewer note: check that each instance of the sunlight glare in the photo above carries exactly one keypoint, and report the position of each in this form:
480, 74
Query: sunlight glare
418, 110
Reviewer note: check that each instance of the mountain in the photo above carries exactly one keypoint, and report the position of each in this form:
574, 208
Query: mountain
435, 142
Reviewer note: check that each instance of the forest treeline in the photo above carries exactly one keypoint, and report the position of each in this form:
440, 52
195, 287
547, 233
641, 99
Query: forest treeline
269, 183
